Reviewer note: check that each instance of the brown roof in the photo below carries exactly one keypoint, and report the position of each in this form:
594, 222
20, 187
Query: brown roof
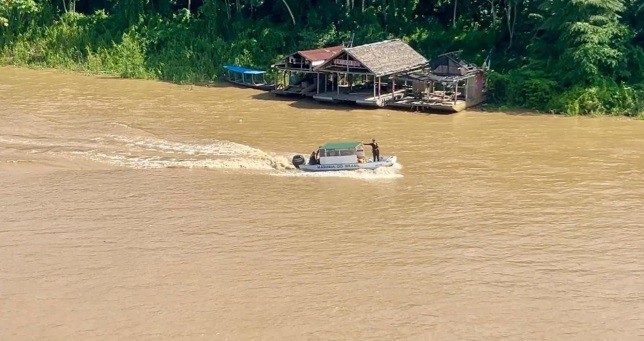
322, 54
386, 57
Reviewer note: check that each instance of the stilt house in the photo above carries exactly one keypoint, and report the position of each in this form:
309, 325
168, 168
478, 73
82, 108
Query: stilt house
366, 74
450, 84
298, 71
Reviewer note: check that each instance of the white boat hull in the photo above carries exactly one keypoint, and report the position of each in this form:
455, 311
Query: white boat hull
385, 161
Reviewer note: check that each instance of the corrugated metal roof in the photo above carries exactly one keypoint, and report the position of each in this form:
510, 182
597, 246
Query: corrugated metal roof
341, 145
320, 55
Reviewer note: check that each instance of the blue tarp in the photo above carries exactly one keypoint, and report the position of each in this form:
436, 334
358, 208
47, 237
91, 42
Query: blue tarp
243, 70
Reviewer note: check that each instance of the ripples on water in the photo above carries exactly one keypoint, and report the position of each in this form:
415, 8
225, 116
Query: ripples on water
151, 152
136, 209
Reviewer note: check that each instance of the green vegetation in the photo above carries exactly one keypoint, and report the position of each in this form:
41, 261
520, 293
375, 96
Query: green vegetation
564, 56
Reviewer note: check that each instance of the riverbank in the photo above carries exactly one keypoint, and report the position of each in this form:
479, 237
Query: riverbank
515, 110
485, 107
190, 45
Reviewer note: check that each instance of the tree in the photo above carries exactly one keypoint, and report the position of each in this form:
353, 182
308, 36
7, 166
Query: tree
511, 14
454, 14
586, 38
129, 10
289, 11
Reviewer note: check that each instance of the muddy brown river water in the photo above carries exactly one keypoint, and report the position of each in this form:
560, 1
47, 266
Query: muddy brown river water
134, 209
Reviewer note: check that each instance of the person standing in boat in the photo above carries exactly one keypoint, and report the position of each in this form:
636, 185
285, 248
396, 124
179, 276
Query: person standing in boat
375, 151
313, 160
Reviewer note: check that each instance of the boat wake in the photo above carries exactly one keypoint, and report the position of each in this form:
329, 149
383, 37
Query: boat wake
145, 151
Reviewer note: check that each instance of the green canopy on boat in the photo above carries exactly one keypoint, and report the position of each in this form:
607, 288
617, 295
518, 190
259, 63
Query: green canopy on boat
341, 145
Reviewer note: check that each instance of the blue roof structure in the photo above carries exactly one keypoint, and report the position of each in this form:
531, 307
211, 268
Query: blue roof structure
243, 70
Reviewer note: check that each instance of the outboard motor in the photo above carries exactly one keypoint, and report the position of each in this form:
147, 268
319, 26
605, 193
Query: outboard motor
298, 160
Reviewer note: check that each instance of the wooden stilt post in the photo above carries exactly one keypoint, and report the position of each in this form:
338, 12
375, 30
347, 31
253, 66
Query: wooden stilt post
317, 86
326, 82
455, 91
374, 87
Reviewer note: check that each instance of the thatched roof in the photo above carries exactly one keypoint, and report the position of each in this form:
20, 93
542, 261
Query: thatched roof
387, 57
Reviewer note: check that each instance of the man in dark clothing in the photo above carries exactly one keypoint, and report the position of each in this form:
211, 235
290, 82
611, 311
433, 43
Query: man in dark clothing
313, 159
374, 149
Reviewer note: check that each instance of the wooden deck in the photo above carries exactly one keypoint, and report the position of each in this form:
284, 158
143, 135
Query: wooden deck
360, 98
296, 90
422, 105
397, 100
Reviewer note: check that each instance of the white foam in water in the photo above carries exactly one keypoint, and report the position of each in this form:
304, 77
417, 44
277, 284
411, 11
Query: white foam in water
158, 153
141, 162
217, 148
151, 152
135, 148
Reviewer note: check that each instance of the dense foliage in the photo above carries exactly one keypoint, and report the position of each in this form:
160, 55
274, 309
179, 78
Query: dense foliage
567, 56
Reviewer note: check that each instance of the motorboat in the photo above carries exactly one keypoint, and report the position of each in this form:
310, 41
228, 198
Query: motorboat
340, 156
247, 77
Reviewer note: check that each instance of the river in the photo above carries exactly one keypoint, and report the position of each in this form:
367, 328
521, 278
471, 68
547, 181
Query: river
134, 209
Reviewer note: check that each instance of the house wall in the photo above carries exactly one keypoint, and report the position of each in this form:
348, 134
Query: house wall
475, 89
418, 87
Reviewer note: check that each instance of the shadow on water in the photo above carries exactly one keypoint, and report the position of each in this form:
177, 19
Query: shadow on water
310, 103
267, 96
302, 102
